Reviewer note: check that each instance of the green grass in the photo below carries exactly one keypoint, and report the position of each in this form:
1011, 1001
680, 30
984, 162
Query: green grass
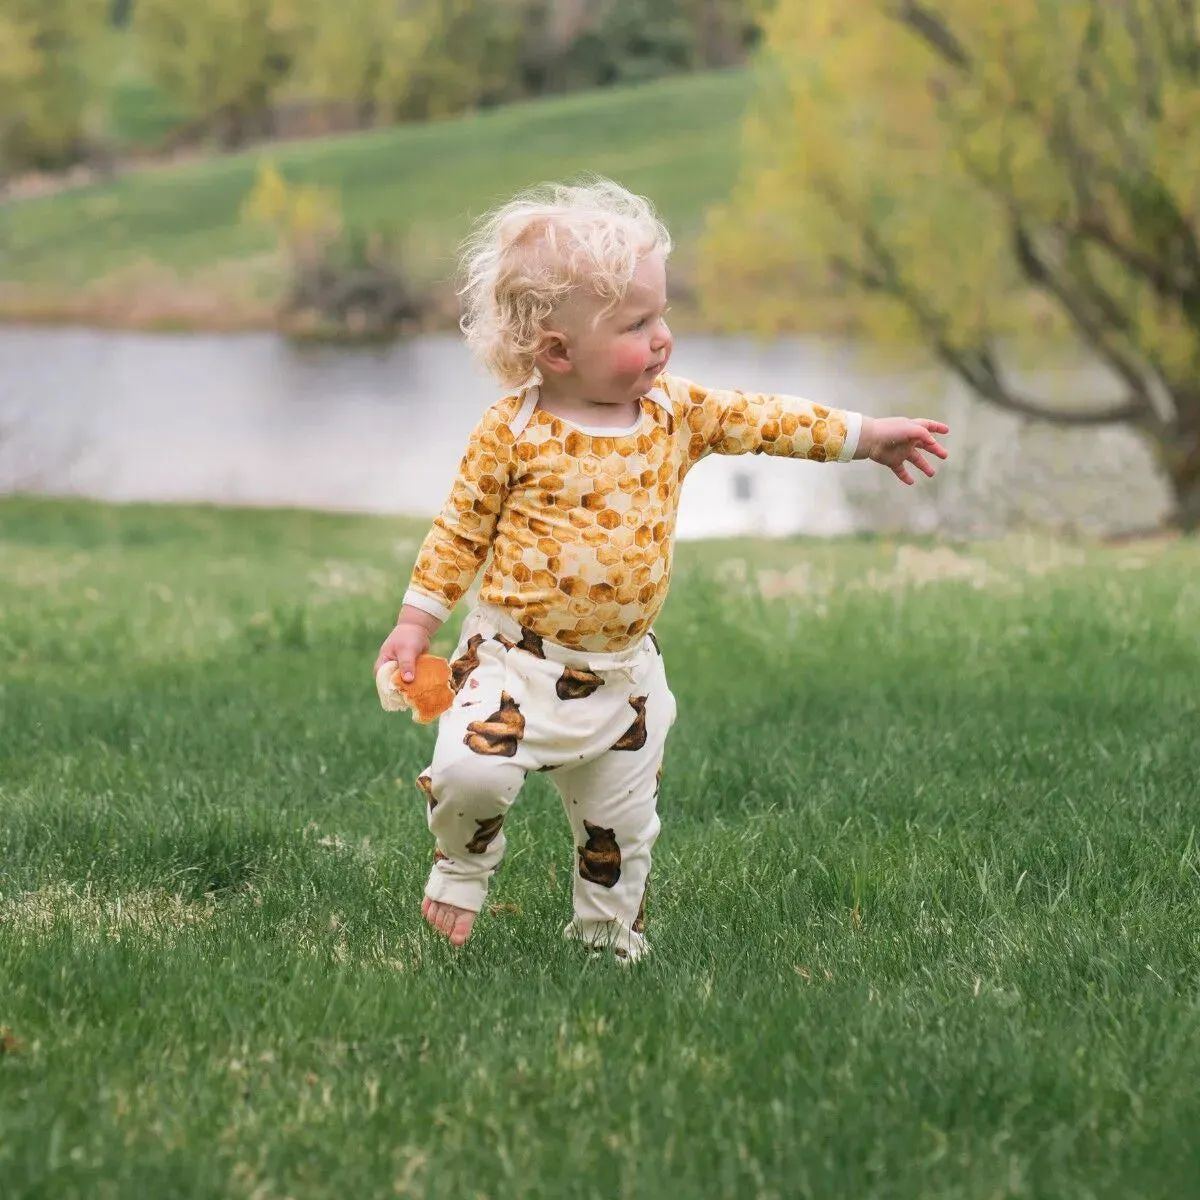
925, 906
675, 140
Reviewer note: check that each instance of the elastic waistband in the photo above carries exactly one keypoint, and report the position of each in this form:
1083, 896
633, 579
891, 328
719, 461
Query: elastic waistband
499, 621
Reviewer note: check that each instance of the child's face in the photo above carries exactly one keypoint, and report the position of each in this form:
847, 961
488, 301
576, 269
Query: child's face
615, 360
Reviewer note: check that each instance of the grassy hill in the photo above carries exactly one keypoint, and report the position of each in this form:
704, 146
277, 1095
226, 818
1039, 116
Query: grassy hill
674, 140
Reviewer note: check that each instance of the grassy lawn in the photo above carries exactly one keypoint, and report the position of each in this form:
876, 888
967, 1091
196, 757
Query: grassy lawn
925, 904
675, 140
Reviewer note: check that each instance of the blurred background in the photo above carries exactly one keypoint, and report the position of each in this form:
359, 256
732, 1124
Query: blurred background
228, 236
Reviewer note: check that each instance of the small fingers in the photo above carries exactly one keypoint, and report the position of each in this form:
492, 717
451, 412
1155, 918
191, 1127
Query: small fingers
930, 443
922, 464
901, 473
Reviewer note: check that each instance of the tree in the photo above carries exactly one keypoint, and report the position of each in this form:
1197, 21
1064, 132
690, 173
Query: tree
414, 58
976, 176
575, 44
47, 50
725, 29
363, 52
223, 60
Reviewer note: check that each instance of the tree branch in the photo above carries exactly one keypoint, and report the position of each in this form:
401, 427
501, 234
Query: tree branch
987, 379
1174, 271
1043, 274
977, 366
934, 31
1172, 267
1167, 285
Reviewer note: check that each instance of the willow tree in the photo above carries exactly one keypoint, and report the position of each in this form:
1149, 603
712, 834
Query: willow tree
971, 174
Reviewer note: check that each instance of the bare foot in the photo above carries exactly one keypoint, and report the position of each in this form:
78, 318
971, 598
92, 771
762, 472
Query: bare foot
454, 922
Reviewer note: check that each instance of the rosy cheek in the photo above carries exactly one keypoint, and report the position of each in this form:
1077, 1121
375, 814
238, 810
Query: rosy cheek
629, 360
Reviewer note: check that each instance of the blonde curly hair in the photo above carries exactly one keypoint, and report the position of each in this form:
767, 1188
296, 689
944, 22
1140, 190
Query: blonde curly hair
541, 248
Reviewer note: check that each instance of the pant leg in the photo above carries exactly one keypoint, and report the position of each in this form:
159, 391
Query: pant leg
479, 764
612, 804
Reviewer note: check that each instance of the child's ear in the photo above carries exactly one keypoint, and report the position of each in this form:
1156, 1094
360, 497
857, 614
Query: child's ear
553, 354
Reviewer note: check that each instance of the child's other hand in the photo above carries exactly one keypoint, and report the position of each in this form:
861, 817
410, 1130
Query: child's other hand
893, 442
404, 645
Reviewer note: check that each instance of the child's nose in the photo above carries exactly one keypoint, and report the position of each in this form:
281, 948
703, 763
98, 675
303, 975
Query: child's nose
662, 336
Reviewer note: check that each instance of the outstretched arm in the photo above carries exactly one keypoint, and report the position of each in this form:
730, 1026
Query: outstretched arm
737, 422
731, 421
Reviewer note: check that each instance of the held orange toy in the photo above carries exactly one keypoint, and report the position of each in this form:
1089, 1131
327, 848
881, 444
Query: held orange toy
427, 697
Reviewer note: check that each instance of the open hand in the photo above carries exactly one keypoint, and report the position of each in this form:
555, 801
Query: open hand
894, 442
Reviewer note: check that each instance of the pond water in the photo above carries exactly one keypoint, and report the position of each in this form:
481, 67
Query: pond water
257, 420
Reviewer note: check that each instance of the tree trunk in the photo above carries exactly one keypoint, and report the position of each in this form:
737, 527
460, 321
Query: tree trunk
1188, 515
1179, 453
1185, 483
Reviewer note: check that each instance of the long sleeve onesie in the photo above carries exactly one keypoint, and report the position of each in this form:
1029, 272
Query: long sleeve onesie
580, 523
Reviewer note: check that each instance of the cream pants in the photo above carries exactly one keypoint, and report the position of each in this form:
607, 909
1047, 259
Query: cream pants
596, 723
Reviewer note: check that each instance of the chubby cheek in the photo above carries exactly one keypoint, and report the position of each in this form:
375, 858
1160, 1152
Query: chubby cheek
630, 359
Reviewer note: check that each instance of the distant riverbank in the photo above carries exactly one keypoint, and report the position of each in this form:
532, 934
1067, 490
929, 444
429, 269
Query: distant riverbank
168, 248
254, 419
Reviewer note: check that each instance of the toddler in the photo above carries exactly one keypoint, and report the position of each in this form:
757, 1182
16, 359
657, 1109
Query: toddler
572, 483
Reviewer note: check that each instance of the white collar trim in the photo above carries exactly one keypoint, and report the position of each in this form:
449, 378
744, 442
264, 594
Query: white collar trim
530, 399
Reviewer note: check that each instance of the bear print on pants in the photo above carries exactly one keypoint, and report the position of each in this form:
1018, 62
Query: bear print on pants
462, 666
485, 834
634, 738
577, 685
426, 785
499, 735
600, 858
531, 643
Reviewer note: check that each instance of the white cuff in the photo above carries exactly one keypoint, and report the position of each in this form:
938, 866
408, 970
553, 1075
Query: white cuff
426, 604
467, 892
854, 423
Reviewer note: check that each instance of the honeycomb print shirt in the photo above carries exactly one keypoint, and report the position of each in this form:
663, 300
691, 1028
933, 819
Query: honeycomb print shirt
580, 522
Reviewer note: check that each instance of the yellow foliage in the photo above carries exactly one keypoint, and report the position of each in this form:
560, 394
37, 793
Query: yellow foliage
48, 50
221, 54
365, 51
419, 58
303, 217
20, 59
886, 168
